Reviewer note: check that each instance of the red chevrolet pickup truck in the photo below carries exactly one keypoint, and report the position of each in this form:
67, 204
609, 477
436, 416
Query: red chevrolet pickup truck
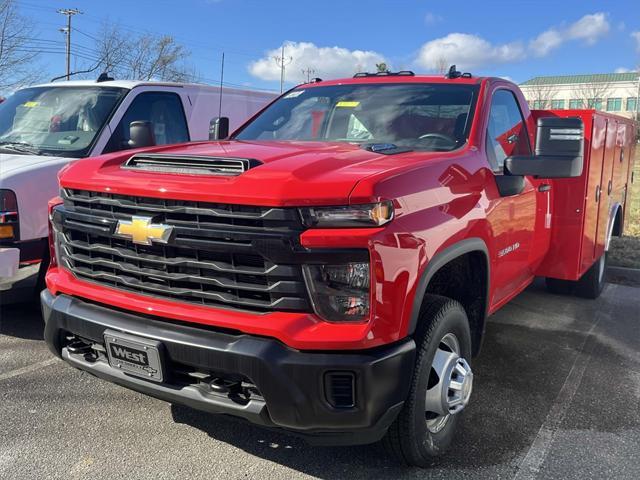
328, 268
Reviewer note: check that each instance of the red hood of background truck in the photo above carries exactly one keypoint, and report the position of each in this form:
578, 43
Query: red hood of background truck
292, 174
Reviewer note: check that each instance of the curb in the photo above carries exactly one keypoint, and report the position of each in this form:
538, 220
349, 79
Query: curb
624, 276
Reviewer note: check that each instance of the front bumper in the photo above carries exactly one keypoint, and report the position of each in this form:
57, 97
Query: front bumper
291, 383
18, 260
9, 261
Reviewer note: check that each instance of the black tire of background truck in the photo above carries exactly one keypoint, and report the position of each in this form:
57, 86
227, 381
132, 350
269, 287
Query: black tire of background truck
592, 282
408, 438
40, 282
559, 287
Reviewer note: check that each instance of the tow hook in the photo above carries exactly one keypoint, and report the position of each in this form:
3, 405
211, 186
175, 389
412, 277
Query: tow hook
224, 386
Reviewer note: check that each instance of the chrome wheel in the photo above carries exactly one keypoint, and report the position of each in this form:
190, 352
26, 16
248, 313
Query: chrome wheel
450, 384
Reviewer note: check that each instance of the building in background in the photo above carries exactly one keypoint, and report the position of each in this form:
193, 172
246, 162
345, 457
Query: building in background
611, 92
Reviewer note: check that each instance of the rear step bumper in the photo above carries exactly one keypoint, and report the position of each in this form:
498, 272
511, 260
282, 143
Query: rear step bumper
296, 389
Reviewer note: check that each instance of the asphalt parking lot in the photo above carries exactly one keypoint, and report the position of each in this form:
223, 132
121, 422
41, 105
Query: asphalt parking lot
557, 395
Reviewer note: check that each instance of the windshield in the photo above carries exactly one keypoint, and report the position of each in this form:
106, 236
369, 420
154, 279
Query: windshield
432, 117
60, 121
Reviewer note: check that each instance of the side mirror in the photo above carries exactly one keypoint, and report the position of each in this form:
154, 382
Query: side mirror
219, 128
141, 134
559, 150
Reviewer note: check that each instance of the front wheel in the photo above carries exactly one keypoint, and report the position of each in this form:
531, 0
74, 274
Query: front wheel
441, 384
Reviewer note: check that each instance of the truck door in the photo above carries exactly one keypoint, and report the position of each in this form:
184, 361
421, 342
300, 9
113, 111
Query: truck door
520, 207
164, 108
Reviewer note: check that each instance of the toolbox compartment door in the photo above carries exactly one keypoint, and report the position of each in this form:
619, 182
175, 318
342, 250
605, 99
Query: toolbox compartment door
606, 189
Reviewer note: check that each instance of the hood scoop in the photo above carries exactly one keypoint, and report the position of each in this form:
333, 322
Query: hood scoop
190, 164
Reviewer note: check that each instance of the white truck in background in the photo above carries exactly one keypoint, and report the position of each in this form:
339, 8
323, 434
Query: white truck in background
44, 127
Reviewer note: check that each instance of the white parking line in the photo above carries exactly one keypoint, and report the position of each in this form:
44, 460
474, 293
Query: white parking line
27, 369
539, 449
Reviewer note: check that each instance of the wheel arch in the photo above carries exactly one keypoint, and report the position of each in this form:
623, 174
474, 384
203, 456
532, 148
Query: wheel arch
465, 249
615, 226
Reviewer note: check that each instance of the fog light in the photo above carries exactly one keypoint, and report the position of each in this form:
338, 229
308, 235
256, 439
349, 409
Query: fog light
339, 292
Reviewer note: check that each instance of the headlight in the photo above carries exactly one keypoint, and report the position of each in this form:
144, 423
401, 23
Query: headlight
8, 215
351, 216
54, 248
339, 293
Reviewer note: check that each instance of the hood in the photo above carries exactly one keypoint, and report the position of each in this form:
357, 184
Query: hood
11, 163
291, 173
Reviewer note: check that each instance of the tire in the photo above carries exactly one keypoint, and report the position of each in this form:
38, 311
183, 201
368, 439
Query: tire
592, 282
559, 287
416, 436
40, 281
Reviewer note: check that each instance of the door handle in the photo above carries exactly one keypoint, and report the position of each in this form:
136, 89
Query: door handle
545, 187
513, 138
609, 187
597, 193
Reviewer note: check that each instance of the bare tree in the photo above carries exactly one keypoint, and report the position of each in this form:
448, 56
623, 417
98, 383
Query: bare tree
158, 57
143, 57
591, 92
113, 49
16, 54
539, 95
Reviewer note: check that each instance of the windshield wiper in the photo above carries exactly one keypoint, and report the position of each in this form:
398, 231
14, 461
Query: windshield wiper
20, 147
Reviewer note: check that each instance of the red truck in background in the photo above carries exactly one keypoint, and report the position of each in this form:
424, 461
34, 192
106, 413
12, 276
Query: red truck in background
328, 268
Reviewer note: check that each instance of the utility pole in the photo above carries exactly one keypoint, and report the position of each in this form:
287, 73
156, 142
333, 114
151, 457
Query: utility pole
308, 72
282, 62
68, 12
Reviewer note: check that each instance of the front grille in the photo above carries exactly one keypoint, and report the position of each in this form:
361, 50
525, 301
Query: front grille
218, 254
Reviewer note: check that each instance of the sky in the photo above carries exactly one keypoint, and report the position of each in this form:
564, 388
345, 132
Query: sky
513, 39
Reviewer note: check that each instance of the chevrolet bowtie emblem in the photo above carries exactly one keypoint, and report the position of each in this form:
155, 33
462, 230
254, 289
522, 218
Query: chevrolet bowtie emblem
141, 231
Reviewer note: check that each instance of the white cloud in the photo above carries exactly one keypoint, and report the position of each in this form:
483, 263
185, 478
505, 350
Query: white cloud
545, 42
636, 37
432, 18
467, 52
589, 29
328, 62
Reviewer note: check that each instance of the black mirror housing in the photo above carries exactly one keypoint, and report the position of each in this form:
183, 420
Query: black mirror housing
141, 134
559, 151
219, 128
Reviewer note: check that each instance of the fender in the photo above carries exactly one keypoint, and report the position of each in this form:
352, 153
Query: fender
438, 261
613, 214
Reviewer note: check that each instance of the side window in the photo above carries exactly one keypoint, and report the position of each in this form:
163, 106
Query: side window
507, 132
164, 111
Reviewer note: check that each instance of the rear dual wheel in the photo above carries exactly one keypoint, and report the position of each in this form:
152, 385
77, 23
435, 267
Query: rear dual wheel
441, 385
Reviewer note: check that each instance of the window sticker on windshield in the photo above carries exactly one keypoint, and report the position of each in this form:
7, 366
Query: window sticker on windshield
294, 94
347, 104
30, 104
